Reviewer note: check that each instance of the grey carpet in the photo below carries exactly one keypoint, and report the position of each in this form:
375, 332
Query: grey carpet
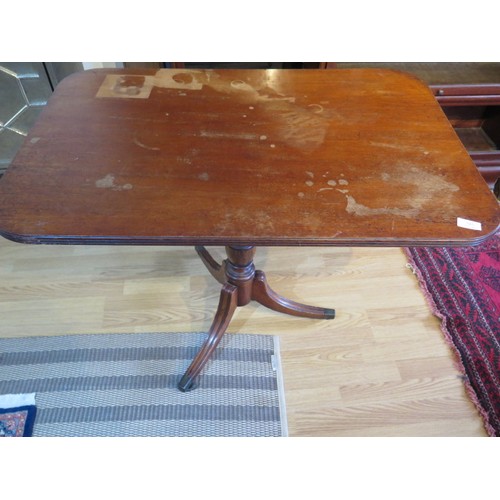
126, 385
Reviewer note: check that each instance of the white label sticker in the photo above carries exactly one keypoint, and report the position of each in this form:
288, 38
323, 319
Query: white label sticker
469, 224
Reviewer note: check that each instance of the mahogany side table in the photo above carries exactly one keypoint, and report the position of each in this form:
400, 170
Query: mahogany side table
243, 158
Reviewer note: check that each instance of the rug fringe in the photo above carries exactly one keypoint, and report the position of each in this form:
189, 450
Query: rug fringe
457, 361
14, 400
281, 386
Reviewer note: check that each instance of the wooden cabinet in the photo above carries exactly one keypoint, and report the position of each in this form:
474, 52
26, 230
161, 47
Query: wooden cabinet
474, 112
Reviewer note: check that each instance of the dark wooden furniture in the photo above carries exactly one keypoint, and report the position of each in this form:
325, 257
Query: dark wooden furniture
242, 159
474, 112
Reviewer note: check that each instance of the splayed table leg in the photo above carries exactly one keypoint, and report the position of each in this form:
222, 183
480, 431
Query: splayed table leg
241, 283
225, 311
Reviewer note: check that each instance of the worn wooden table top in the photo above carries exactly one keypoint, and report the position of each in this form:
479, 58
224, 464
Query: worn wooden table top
274, 157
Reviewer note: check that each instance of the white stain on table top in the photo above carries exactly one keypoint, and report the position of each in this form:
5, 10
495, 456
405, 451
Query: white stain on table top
426, 185
108, 182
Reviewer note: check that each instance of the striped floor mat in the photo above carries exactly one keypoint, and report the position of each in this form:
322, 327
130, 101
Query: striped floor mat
126, 385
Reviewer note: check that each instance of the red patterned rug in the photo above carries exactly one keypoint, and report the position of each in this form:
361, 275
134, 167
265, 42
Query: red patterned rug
462, 286
17, 422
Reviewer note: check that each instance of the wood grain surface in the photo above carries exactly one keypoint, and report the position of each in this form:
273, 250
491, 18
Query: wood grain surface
380, 368
260, 157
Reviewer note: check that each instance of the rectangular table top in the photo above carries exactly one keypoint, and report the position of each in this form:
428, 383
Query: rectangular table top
258, 157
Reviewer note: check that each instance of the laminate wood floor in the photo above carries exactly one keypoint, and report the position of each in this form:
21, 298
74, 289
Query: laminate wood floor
381, 368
